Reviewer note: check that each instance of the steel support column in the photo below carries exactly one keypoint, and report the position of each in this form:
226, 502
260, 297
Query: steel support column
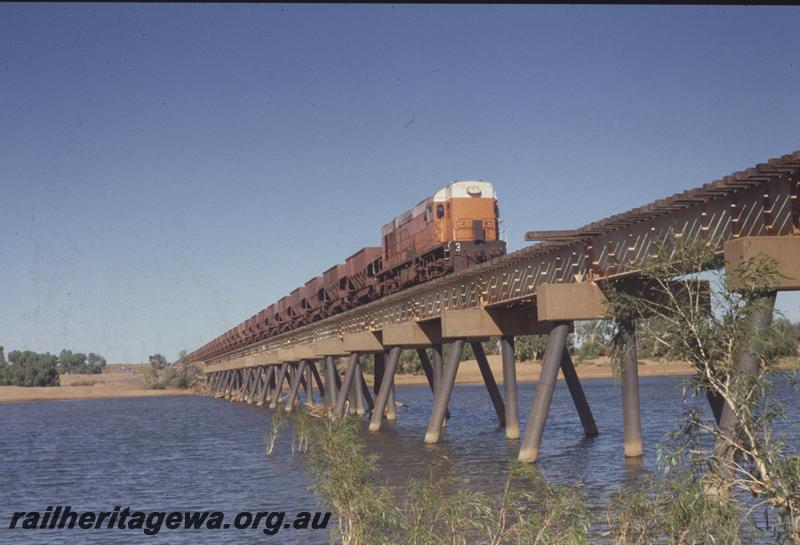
716, 403
238, 380
350, 407
578, 397
380, 365
747, 362
248, 389
365, 390
259, 385
510, 386
330, 382
302, 386
212, 380
244, 377
631, 415
488, 380
444, 389
532, 440
320, 388
391, 402
268, 370
430, 374
347, 382
309, 384
437, 362
357, 394
386, 386
298, 378
229, 377
255, 380
276, 395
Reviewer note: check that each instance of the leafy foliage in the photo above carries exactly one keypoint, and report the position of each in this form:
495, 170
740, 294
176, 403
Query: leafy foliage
181, 375
713, 330
784, 336
676, 511
438, 510
28, 368
79, 363
158, 362
595, 338
530, 347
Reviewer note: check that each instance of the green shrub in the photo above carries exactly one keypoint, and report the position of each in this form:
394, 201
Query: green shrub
181, 376
29, 368
80, 364
437, 510
676, 510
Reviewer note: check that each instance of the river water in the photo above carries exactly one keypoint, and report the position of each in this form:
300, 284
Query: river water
199, 453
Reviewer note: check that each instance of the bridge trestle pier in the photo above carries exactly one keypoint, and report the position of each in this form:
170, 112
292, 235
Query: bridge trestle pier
330, 382
312, 366
225, 383
235, 385
510, 386
298, 369
433, 369
385, 386
253, 387
276, 396
489, 381
268, 371
444, 390
347, 382
220, 383
379, 372
556, 346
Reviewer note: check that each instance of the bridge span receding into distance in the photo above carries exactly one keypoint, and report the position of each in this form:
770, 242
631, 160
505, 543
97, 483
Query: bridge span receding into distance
542, 289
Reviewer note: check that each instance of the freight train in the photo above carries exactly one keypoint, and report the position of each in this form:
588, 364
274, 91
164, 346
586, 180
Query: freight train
451, 230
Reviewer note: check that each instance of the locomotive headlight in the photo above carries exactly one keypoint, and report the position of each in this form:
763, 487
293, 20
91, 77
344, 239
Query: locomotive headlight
474, 191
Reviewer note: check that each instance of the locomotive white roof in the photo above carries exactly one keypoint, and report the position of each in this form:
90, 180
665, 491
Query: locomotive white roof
459, 189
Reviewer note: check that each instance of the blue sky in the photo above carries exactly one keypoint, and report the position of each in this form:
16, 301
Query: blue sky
169, 170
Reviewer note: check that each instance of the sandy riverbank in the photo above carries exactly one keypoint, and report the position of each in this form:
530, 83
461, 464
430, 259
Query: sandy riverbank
113, 382
528, 371
468, 372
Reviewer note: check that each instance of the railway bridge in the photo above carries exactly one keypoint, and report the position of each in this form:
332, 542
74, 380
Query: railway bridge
541, 289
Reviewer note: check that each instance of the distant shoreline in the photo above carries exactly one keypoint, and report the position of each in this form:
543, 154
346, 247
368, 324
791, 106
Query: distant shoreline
9, 397
111, 383
114, 383
469, 373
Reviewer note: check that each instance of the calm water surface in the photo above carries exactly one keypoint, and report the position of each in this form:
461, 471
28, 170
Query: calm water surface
198, 453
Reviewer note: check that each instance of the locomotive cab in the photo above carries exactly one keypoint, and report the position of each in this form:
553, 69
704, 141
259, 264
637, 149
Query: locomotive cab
465, 211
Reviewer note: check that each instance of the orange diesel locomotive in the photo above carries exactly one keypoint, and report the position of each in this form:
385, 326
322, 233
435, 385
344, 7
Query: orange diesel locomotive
454, 228
451, 230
